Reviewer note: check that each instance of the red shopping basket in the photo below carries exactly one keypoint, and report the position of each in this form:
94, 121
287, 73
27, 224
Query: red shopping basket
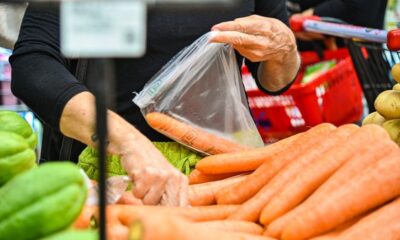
335, 97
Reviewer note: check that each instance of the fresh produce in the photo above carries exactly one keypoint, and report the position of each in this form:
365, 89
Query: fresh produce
377, 184
374, 118
252, 208
388, 104
204, 193
233, 226
175, 228
359, 160
241, 192
15, 156
393, 128
316, 173
243, 161
12, 122
396, 72
197, 177
190, 136
396, 87
382, 224
74, 235
42, 201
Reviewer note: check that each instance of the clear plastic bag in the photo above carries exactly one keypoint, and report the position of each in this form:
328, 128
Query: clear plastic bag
201, 87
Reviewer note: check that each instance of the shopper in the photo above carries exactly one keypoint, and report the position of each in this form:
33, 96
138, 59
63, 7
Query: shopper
43, 78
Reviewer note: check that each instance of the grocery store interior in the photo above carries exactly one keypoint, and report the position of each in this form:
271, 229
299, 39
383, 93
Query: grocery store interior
200, 119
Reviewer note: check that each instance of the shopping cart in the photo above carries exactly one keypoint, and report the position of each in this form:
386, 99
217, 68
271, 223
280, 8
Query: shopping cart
373, 51
336, 96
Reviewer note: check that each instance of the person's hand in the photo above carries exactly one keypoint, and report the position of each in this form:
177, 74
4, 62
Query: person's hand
155, 180
255, 37
308, 36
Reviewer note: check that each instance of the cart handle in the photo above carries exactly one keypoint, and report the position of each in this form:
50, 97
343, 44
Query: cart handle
318, 25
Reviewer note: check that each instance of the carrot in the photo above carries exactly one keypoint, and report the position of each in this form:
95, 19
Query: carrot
197, 177
233, 226
383, 223
241, 192
376, 184
85, 218
124, 213
164, 227
243, 161
191, 136
368, 151
204, 193
129, 199
318, 172
251, 209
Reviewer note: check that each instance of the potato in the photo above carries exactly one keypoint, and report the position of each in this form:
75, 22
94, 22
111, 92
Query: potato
373, 118
396, 72
393, 128
387, 104
396, 87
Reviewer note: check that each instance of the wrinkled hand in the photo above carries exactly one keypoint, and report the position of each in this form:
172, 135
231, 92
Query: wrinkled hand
255, 37
155, 180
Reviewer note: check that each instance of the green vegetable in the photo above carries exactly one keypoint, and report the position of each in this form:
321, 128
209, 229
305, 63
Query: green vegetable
42, 201
74, 235
12, 122
15, 156
178, 155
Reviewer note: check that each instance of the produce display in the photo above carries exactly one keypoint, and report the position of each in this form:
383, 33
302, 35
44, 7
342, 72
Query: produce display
387, 106
329, 182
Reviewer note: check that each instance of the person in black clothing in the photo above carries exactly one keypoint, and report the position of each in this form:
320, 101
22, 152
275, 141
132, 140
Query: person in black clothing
43, 78
365, 13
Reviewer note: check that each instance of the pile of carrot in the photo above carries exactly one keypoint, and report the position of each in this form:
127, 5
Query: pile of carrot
326, 183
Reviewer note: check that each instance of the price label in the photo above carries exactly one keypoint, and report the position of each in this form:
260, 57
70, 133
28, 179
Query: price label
96, 28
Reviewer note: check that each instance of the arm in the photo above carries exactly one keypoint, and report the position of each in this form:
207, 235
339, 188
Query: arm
42, 80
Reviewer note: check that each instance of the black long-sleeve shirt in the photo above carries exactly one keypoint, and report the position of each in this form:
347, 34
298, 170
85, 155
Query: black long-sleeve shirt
368, 13
42, 77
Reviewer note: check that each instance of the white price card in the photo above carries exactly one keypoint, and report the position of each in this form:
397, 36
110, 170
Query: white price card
100, 28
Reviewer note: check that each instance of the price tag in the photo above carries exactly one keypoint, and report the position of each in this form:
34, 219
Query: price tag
96, 28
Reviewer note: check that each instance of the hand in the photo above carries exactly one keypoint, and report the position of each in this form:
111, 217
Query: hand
155, 180
308, 36
255, 37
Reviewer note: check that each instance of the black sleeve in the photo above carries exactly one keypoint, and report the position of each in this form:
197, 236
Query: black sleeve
359, 12
40, 74
273, 9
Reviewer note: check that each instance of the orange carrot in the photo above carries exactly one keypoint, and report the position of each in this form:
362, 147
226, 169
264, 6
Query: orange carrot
372, 186
164, 227
129, 199
368, 151
204, 193
233, 226
245, 160
192, 136
197, 177
251, 209
124, 213
383, 223
318, 172
84, 219
241, 192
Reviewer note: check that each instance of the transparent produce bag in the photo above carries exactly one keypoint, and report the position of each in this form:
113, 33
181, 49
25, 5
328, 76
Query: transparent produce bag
198, 99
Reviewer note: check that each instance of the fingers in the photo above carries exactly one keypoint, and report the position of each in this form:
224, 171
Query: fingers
250, 25
153, 196
176, 191
235, 38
